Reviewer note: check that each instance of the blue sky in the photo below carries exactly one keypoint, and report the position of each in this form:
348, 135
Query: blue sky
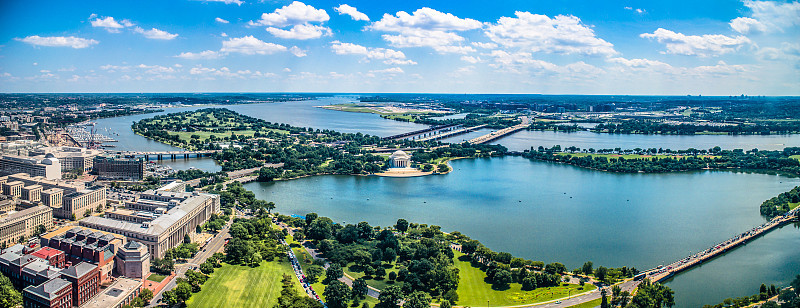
551, 47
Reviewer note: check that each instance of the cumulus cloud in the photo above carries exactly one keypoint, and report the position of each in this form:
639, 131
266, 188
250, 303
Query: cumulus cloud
58, 41
155, 34
540, 33
390, 71
208, 54
470, 59
345, 9
484, 45
220, 20
640, 11
237, 2
300, 32
787, 51
775, 15
293, 14
640, 63
250, 45
297, 52
517, 61
426, 27
746, 25
699, 45
388, 56
108, 23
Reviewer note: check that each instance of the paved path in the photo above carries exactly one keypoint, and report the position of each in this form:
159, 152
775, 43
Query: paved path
213, 246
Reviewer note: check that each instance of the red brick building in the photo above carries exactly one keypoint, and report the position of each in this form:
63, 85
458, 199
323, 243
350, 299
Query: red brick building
85, 279
55, 293
56, 257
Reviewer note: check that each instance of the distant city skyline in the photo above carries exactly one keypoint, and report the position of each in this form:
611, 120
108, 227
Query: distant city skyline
565, 47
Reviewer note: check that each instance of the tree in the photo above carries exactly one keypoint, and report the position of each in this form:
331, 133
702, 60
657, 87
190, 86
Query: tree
390, 297
146, 295
796, 285
402, 225
333, 273
9, 297
269, 206
624, 297
206, 268
169, 298
337, 294
360, 288
313, 272
587, 268
601, 273
310, 217
198, 229
501, 279
187, 239
418, 299
604, 300
445, 304
770, 305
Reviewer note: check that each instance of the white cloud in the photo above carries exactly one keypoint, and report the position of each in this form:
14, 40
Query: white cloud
424, 18
353, 12
156, 69
390, 71
155, 34
293, 14
250, 45
237, 2
108, 23
775, 15
300, 32
746, 25
113, 68
704, 46
426, 27
223, 34
470, 59
787, 51
208, 54
539, 33
297, 52
641, 64
388, 56
519, 60
220, 20
58, 41
640, 11
484, 45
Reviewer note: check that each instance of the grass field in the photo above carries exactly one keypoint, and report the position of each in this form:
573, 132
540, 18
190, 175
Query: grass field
156, 277
378, 284
629, 156
473, 291
797, 157
186, 136
793, 205
243, 286
589, 304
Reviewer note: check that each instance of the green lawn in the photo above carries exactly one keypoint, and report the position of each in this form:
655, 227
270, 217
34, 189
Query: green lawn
473, 291
589, 304
156, 277
793, 205
628, 156
243, 286
186, 136
378, 284
797, 157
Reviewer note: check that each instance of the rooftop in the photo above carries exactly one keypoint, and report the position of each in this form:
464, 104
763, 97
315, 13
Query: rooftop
114, 294
48, 290
78, 270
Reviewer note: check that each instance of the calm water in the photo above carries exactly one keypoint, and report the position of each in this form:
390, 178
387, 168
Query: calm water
526, 139
559, 213
545, 211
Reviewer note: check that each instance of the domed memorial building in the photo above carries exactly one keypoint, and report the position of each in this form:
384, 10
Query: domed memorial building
400, 159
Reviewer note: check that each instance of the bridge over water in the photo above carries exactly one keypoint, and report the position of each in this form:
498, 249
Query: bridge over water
419, 132
662, 273
160, 155
501, 133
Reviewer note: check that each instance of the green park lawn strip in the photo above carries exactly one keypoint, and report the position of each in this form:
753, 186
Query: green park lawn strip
186, 136
474, 291
244, 286
156, 277
793, 205
797, 157
631, 156
379, 284
589, 304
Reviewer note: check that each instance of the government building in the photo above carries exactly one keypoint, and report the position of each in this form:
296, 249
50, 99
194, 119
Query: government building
68, 201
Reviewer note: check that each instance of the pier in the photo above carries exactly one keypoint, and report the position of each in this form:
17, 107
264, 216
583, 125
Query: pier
662, 273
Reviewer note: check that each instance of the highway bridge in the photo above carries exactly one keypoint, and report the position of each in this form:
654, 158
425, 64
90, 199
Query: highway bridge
418, 132
160, 155
662, 273
451, 133
501, 133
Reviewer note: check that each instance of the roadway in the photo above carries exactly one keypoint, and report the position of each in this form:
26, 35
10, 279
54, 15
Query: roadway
215, 245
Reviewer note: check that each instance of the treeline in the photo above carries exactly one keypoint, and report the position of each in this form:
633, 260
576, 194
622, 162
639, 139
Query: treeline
425, 262
459, 150
651, 127
721, 159
779, 205
472, 119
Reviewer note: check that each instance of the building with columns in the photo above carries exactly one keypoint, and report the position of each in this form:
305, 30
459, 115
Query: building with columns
169, 217
400, 159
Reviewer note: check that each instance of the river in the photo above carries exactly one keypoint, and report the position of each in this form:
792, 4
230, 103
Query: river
549, 212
